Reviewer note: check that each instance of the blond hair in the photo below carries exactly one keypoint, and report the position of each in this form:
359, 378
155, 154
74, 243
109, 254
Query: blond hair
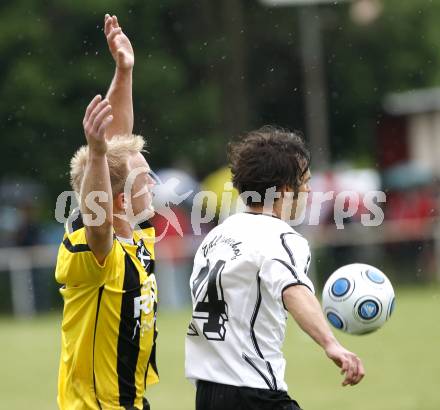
119, 149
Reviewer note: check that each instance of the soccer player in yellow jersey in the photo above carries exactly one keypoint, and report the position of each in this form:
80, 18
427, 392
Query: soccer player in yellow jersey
106, 260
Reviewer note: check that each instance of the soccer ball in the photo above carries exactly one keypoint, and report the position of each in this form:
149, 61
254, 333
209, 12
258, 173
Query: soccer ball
358, 298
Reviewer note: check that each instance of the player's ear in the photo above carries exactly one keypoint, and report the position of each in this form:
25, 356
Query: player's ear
120, 201
285, 188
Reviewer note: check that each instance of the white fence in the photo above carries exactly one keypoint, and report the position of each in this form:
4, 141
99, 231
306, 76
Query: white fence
19, 262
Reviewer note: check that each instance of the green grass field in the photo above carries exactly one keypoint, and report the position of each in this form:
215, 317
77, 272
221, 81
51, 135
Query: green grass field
402, 362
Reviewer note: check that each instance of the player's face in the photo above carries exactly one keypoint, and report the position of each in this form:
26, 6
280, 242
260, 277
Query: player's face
304, 189
300, 203
305, 186
141, 189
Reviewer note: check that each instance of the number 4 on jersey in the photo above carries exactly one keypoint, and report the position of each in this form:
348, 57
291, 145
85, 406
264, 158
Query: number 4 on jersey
212, 305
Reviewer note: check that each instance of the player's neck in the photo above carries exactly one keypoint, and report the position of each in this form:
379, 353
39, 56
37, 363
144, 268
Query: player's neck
262, 210
122, 228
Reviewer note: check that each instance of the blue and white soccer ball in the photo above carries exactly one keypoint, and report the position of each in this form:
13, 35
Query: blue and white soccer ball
358, 298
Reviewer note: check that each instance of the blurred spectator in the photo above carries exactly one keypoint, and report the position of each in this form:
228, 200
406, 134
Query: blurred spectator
173, 196
28, 230
174, 260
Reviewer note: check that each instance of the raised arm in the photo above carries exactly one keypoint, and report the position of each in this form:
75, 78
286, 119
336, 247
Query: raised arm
96, 186
120, 92
306, 310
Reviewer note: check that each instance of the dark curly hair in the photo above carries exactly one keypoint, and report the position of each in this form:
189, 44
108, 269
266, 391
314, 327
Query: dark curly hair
268, 157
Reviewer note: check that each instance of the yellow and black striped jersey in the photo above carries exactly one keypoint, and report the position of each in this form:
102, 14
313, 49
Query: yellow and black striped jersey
109, 322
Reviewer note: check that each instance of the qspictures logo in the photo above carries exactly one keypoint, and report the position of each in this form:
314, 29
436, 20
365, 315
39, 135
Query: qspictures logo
206, 207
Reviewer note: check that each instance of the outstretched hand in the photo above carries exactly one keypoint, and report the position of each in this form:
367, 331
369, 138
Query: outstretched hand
349, 363
96, 120
118, 43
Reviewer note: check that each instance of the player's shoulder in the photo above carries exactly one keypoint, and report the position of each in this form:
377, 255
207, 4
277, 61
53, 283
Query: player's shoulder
146, 232
265, 233
74, 222
76, 263
266, 225
286, 232
214, 233
227, 232
255, 226
73, 253
274, 238
74, 239
283, 236
286, 247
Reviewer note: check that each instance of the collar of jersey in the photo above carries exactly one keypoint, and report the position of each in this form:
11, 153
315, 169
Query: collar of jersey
261, 213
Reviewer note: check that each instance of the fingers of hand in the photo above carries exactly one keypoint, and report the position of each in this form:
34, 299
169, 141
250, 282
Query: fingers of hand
113, 33
355, 371
349, 376
104, 124
90, 126
361, 370
100, 118
90, 108
108, 23
343, 363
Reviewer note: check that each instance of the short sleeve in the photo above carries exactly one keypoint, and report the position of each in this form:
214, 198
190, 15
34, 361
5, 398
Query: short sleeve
77, 265
285, 263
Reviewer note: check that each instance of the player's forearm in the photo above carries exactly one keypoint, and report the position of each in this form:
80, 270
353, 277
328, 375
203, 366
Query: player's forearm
97, 204
121, 99
306, 310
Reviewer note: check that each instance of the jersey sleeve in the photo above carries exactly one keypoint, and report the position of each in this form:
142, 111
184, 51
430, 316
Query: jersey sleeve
77, 265
285, 263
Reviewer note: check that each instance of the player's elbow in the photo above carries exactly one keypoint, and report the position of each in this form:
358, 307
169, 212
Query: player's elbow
292, 293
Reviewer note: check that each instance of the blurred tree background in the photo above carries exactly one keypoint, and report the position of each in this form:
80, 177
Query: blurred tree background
204, 72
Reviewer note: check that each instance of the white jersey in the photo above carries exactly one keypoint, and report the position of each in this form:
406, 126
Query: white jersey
239, 320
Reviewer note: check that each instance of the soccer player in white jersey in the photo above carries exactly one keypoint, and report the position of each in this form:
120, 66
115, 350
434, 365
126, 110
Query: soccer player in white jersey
248, 272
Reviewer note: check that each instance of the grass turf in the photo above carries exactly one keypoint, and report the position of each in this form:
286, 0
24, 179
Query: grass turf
402, 361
